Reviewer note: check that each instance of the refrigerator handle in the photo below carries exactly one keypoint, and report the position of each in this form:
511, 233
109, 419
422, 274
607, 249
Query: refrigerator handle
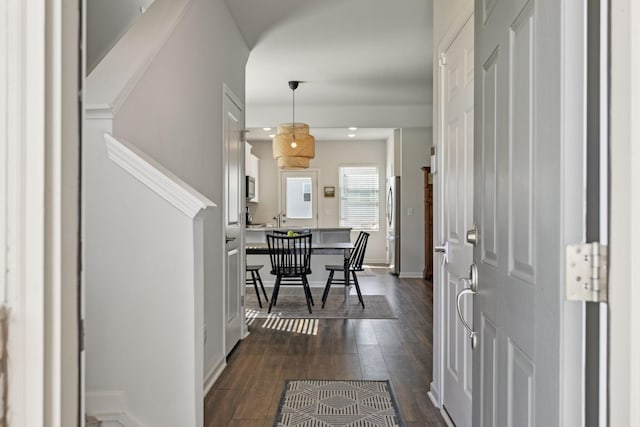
390, 206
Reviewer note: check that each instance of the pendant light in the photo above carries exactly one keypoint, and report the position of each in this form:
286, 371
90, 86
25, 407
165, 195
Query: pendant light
293, 146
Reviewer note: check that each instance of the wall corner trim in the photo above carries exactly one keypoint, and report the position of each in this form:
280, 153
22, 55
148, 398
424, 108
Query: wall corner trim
155, 176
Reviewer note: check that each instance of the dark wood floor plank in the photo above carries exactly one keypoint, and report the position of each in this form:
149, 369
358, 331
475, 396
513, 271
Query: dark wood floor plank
248, 391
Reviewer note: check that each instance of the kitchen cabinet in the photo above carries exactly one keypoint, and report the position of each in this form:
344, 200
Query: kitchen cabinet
252, 169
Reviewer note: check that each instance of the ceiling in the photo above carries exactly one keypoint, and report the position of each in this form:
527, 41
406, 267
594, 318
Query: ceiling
352, 54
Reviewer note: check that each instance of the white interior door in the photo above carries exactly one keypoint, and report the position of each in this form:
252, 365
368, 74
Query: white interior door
299, 198
233, 259
457, 96
525, 190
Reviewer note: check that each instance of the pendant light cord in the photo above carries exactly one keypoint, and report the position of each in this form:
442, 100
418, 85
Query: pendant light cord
294, 113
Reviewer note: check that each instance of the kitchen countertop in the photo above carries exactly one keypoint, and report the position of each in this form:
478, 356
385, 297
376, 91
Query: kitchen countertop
320, 234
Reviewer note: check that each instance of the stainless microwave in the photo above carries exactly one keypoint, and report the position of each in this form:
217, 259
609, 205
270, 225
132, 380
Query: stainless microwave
250, 187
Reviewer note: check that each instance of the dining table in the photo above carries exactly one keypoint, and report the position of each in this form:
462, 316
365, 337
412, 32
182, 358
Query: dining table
317, 248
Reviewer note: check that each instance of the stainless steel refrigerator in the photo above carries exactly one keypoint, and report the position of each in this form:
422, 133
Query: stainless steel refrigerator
393, 224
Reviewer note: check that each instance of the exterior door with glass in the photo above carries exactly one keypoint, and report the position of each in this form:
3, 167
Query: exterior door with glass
299, 198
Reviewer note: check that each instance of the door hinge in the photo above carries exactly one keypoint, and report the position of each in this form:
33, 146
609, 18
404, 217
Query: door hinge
586, 272
443, 60
241, 300
81, 334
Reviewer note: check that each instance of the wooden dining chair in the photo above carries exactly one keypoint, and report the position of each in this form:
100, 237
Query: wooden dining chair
354, 265
290, 263
254, 270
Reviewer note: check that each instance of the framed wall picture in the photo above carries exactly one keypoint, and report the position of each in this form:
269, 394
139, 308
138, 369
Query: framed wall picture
329, 191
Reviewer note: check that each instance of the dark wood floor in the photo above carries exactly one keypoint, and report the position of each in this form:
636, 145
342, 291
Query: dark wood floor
248, 391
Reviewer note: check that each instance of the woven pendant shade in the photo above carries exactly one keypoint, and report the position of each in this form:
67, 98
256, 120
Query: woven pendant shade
293, 154
293, 147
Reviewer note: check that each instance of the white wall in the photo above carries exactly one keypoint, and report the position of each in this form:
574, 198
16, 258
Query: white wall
414, 152
329, 156
174, 114
142, 329
106, 22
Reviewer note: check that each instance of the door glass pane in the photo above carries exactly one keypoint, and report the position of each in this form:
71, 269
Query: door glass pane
299, 200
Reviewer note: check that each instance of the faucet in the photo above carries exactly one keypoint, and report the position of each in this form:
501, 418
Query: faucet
279, 219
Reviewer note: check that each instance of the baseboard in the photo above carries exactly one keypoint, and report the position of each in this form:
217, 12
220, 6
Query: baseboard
377, 262
213, 375
434, 395
410, 275
110, 408
117, 420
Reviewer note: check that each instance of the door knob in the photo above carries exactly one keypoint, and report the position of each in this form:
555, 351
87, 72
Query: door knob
472, 235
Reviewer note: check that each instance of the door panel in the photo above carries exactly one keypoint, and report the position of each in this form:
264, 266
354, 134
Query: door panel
234, 177
519, 205
458, 217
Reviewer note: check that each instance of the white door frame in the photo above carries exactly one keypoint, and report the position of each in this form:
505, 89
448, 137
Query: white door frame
624, 292
435, 389
39, 57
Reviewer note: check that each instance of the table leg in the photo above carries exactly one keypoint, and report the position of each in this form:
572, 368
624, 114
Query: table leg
347, 254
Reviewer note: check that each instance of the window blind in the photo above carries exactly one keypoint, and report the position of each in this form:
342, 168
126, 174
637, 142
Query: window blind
359, 198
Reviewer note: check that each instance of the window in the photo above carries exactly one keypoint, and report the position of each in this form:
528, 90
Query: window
359, 197
299, 204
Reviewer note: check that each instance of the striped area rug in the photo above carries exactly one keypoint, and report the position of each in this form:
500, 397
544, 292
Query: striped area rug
275, 322
316, 403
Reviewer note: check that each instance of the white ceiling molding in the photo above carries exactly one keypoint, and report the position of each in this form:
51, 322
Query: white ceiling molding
361, 116
155, 176
115, 76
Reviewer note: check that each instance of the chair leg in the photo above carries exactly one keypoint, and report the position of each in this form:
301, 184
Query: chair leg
306, 280
305, 288
262, 286
355, 282
255, 286
327, 287
274, 295
307, 292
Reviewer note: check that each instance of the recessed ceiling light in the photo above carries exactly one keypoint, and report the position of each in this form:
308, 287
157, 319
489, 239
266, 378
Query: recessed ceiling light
267, 129
353, 129
272, 136
351, 135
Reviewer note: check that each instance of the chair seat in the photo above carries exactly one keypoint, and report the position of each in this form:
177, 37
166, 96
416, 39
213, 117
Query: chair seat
341, 268
289, 272
256, 267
